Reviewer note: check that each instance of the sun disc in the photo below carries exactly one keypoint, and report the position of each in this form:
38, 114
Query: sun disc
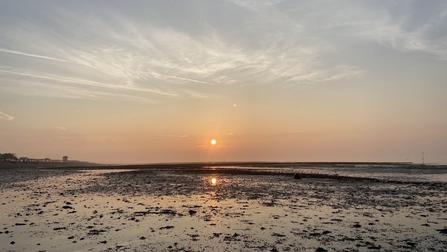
213, 141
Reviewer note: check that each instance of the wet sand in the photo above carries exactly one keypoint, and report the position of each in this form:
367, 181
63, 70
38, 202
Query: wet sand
170, 209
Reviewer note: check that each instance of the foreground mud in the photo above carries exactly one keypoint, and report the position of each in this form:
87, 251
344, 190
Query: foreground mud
163, 210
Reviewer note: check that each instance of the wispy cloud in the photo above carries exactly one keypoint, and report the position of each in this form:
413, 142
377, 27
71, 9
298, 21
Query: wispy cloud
142, 56
395, 37
4, 116
272, 43
87, 82
31, 55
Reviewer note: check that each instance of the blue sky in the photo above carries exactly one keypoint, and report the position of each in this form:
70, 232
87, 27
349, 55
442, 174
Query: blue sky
155, 81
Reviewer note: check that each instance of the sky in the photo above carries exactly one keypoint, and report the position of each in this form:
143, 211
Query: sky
269, 80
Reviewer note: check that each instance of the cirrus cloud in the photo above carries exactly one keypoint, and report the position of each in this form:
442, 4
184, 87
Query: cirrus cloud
4, 116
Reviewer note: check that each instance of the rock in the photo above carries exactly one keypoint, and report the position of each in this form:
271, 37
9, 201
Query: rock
142, 238
278, 235
12, 243
412, 244
168, 211
103, 242
95, 232
320, 249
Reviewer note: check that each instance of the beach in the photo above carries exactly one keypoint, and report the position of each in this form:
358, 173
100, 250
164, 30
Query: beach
209, 208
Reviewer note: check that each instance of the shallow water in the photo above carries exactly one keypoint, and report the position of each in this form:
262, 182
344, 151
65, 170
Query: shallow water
417, 173
405, 173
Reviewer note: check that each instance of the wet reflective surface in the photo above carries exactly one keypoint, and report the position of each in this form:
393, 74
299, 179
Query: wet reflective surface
171, 211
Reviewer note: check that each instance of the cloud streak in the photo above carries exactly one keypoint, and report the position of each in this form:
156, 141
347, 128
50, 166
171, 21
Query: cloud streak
87, 82
4, 116
31, 55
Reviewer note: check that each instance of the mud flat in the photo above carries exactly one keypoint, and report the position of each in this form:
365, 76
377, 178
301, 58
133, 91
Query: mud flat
205, 209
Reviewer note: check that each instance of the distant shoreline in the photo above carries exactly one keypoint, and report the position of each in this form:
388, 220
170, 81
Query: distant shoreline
256, 164
36, 165
189, 165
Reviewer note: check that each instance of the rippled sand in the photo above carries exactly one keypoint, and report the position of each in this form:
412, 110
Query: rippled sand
172, 210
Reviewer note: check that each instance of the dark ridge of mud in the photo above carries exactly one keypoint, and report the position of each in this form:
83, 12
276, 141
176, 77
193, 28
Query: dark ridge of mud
307, 175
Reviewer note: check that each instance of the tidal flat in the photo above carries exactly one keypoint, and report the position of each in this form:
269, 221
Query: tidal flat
208, 209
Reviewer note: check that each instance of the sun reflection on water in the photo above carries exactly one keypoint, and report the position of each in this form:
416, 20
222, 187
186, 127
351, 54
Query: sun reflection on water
213, 181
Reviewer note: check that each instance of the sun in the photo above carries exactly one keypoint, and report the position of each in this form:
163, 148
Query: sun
213, 141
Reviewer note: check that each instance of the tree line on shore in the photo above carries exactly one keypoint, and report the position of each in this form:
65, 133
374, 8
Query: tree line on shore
11, 157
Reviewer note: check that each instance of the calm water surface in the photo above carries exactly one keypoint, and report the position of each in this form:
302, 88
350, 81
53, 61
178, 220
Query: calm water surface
410, 173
